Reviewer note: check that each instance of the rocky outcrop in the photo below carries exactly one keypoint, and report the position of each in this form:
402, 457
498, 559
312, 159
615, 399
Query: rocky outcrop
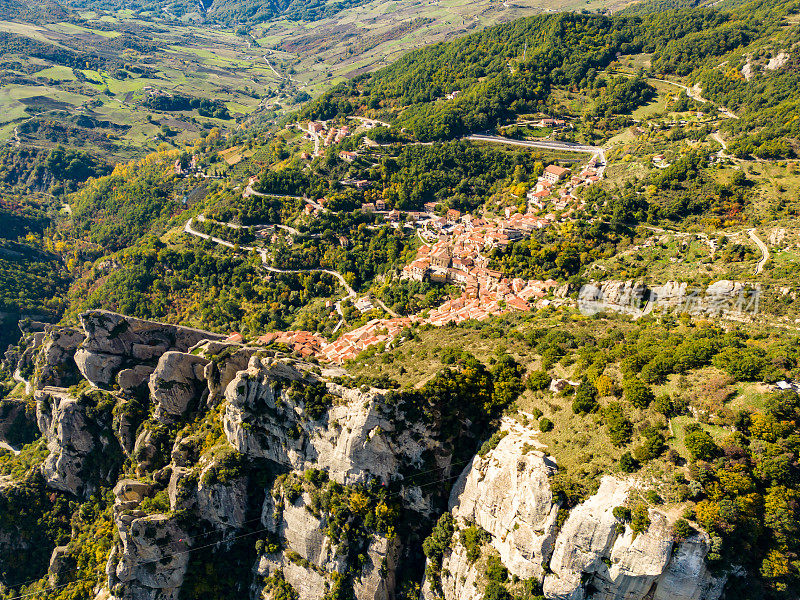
83, 450
507, 494
151, 561
725, 298
222, 504
55, 364
311, 563
359, 437
17, 423
225, 362
590, 554
177, 384
113, 341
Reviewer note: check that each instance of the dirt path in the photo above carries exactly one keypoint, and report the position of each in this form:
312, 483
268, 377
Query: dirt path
20, 379
764, 250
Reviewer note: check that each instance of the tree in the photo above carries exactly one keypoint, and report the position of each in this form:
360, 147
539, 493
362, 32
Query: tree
619, 426
538, 380
638, 393
606, 386
496, 591
681, 530
781, 512
585, 401
700, 444
640, 518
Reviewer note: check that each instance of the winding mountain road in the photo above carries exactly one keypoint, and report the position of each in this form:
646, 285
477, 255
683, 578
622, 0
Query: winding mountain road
351, 293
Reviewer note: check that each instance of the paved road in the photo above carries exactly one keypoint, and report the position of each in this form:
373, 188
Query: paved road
764, 250
548, 145
292, 230
351, 293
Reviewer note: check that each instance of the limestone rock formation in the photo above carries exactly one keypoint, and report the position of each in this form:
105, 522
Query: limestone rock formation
113, 341
55, 363
83, 449
507, 493
177, 384
152, 560
310, 562
356, 440
226, 360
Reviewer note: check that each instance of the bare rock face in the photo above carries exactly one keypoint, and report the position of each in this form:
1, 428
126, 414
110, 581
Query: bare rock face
507, 493
223, 504
83, 449
113, 340
590, 555
585, 539
687, 577
152, 558
130, 379
358, 439
177, 384
226, 360
724, 297
55, 364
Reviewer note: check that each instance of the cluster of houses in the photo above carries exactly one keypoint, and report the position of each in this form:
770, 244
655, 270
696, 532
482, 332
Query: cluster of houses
374, 332
555, 188
323, 136
457, 256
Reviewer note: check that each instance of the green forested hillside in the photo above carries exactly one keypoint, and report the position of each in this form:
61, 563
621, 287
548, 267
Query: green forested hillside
509, 69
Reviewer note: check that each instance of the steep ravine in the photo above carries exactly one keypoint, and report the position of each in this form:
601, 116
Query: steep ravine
245, 464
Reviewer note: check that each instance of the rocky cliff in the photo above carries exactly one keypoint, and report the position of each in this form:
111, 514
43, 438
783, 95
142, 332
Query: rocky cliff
249, 464
506, 495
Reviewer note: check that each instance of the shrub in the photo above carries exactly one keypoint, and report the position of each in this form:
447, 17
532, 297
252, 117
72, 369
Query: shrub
653, 497
622, 513
491, 443
606, 386
545, 425
438, 542
495, 569
473, 538
496, 591
700, 444
538, 380
585, 398
681, 530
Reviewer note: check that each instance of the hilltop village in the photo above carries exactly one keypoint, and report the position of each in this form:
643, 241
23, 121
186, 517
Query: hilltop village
454, 252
